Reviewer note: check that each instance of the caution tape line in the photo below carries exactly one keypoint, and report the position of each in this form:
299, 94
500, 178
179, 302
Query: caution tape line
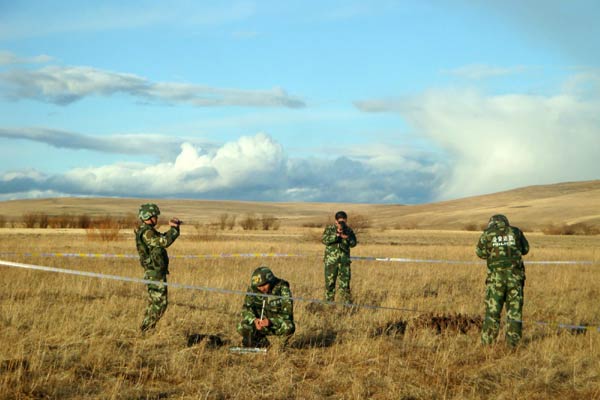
275, 255
190, 256
559, 325
567, 326
434, 261
192, 287
240, 292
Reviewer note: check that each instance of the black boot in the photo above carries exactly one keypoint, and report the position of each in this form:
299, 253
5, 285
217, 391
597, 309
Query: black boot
255, 341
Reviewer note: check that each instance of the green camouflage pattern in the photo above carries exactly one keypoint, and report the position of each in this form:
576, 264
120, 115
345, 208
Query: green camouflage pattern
340, 273
279, 311
503, 246
337, 262
504, 288
151, 246
157, 305
261, 276
148, 211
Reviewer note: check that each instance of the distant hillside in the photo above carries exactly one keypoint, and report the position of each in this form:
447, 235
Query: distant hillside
532, 208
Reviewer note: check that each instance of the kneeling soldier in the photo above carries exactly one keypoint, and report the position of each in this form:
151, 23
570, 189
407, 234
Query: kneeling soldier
262, 316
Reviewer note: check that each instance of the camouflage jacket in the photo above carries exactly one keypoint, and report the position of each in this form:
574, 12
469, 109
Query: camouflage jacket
151, 246
336, 248
502, 246
275, 308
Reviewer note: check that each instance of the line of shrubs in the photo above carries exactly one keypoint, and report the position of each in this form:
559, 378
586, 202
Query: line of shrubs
85, 221
226, 221
358, 222
248, 222
69, 221
551, 229
573, 229
209, 231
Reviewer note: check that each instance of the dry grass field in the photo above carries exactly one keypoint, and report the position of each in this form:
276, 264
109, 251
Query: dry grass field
71, 337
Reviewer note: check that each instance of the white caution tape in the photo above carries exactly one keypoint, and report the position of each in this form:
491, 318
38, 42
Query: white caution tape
240, 292
190, 287
191, 256
434, 261
275, 255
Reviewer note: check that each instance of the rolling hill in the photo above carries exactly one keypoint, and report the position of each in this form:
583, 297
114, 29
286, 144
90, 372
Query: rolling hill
532, 208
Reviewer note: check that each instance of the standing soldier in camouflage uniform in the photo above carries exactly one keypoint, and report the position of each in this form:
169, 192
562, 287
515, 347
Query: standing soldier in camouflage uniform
262, 316
502, 246
151, 246
338, 238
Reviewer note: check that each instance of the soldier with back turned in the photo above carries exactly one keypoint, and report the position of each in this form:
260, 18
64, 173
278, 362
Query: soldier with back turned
502, 246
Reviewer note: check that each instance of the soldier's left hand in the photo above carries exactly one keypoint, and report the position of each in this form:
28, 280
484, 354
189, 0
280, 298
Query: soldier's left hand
265, 322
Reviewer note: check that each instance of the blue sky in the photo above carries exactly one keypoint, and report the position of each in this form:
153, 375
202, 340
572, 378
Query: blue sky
380, 102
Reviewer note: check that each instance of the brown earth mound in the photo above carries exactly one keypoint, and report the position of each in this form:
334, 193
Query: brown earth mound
444, 323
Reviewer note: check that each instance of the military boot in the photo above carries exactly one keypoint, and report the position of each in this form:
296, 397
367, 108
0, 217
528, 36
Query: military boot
255, 341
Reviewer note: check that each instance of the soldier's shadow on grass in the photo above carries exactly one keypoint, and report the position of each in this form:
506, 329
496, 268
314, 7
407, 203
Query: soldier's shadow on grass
209, 341
317, 340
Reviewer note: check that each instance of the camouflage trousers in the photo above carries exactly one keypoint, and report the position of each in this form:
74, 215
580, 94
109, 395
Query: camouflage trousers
338, 272
157, 305
504, 288
253, 337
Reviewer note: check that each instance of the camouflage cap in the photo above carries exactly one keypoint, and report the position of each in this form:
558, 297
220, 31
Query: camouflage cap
261, 276
148, 211
498, 219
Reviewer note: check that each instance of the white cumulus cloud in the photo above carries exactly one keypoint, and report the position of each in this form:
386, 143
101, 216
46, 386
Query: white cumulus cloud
248, 162
498, 142
249, 168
